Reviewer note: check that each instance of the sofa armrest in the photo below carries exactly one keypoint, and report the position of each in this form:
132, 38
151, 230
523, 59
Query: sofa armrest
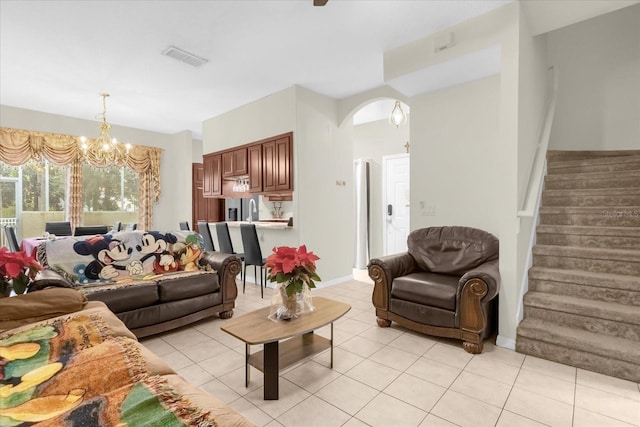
48, 278
383, 270
489, 274
227, 266
476, 290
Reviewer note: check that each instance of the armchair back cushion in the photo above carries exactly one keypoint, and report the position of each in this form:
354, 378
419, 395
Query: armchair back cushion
451, 250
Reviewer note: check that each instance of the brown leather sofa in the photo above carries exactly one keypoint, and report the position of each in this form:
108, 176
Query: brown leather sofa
445, 285
166, 302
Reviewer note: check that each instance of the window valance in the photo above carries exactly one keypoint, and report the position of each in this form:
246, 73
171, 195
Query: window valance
18, 146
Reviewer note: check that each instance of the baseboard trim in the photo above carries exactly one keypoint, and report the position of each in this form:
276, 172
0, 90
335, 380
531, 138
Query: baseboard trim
509, 343
342, 279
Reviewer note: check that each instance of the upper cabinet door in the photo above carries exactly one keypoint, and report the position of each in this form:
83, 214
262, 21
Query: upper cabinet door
212, 184
234, 163
276, 165
283, 164
240, 162
254, 155
269, 166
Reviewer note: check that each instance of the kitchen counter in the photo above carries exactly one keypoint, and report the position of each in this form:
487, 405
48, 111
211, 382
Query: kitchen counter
269, 224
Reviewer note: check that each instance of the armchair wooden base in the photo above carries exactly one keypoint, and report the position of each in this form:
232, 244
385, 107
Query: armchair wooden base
472, 342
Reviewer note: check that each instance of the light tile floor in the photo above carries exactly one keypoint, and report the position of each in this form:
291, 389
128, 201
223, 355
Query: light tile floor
395, 377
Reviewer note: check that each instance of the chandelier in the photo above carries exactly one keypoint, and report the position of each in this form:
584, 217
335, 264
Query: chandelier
104, 149
397, 116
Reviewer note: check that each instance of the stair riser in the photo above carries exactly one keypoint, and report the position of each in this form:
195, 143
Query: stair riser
614, 167
605, 218
586, 264
609, 242
576, 184
593, 293
586, 201
579, 359
576, 321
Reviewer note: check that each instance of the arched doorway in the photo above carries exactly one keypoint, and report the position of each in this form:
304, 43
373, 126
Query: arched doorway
374, 138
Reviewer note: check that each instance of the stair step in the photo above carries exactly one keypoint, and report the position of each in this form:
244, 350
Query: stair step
597, 260
596, 164
588, 236
593, 286
613, 216
585, 278
605, 354
592, 197
593, 180
603, 317
562, 155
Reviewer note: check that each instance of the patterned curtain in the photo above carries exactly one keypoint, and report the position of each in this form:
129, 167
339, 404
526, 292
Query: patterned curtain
18, 146
74, 191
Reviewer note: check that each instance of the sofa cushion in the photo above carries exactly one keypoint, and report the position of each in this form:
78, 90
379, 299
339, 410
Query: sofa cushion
154, 314
125, 298
187, 285
431, 289
451, 250
426, 315
35, 306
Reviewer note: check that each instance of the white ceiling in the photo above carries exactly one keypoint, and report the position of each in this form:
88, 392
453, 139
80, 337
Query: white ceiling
57, 56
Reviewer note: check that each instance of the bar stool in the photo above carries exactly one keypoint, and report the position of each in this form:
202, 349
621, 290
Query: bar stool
205, 232
252, 255
224, 240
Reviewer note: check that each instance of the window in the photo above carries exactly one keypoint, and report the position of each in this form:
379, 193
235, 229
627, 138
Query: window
109, 189
42, 186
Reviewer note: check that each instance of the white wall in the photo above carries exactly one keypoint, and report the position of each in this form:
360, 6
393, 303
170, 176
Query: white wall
373, 141
455, 162
175, 172
325, 156
599, 96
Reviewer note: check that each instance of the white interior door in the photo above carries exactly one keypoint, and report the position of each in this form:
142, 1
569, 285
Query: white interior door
396, 180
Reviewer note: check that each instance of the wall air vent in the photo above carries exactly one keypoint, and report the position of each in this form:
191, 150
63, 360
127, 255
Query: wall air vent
186, 57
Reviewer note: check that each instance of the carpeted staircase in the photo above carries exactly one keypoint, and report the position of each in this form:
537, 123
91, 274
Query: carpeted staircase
583, 304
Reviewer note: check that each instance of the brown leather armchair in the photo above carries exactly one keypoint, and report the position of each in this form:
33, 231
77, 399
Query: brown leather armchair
445, 285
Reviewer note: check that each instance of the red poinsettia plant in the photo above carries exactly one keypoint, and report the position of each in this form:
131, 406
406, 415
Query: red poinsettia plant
18, 267
292, 266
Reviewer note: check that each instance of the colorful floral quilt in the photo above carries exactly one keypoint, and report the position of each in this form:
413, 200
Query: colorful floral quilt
73, 372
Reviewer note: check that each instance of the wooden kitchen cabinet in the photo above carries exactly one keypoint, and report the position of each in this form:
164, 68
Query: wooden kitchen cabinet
212, 175
207, 209
234, 163
276, 164
254, 158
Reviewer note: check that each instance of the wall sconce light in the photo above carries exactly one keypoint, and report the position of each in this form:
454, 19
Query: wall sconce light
397, 117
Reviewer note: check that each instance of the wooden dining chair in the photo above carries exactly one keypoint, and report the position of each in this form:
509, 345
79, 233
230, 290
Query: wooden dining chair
252, 255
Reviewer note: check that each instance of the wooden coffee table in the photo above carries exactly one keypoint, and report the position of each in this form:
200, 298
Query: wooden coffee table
285, 341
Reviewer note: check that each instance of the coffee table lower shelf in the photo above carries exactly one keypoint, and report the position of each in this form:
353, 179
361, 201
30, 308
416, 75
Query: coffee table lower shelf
278, 355
292, 351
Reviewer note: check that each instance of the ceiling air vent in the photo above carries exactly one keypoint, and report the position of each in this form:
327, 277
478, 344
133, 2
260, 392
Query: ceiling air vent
186, 57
